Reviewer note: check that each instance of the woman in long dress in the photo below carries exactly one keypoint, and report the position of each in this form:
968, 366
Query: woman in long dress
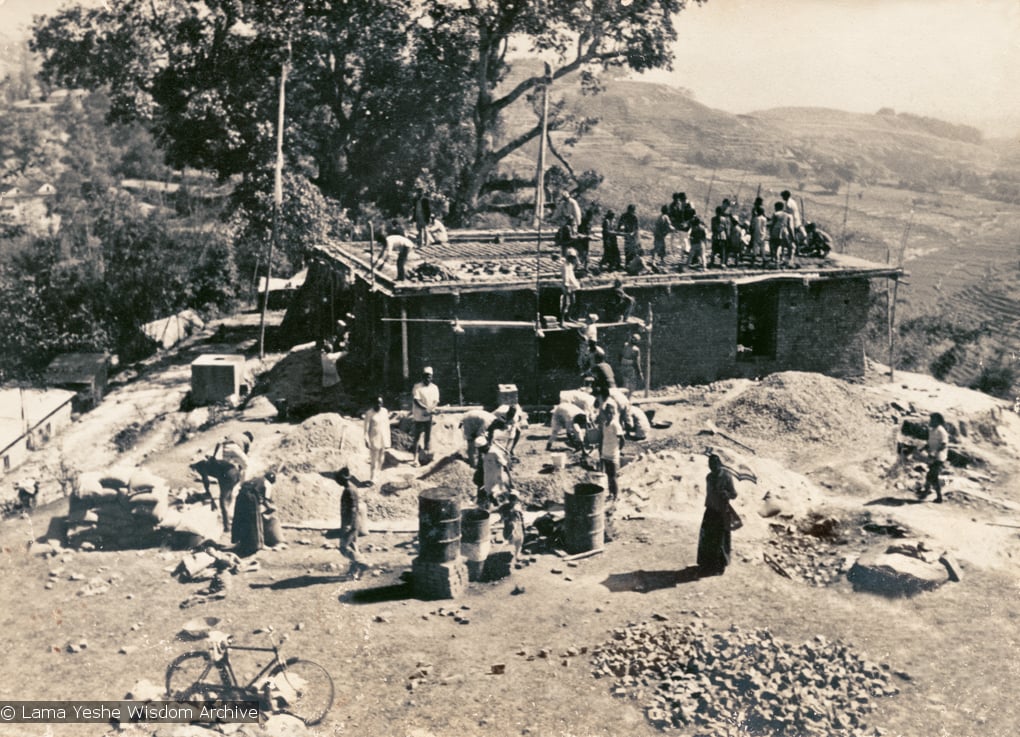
714, 540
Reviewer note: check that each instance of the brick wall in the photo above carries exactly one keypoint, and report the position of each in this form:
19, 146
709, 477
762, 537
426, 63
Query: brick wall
818, 327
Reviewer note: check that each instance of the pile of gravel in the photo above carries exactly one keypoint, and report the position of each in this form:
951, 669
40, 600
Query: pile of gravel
819, 560
742, 683
796, 409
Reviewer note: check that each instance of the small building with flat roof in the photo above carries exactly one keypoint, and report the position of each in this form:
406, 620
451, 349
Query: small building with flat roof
83, 373
28, 419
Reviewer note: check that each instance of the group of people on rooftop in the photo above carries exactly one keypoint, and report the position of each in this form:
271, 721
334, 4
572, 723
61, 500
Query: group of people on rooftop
729, 236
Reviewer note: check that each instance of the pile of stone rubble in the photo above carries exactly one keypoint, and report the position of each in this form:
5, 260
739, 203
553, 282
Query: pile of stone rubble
742, 682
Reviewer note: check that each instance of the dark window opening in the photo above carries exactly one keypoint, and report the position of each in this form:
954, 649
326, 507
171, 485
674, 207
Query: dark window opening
757, 320
558, 350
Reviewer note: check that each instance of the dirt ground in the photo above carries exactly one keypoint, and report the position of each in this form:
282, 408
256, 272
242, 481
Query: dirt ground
820, 446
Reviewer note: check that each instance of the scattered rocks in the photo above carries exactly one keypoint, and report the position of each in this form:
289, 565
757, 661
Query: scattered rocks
687, 675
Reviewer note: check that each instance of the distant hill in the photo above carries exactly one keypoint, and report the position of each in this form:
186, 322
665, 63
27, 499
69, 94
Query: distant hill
655, 127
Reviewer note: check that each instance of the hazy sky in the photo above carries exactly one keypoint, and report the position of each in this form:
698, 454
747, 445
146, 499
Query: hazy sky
954, 59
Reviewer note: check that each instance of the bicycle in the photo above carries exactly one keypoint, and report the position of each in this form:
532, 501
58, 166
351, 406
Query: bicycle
299, 687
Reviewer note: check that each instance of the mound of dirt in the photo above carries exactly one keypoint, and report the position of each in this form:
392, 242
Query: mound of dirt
800, 409
323, 442
306, 496
294, 385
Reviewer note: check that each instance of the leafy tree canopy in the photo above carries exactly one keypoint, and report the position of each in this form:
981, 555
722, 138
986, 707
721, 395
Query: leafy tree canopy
377, 89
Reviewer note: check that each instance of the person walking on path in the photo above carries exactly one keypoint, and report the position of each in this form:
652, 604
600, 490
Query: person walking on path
938, 453
377, 437
352, 524
424, 400
714, 539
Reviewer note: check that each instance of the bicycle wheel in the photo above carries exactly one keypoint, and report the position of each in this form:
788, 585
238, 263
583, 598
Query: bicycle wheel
305, 689
195, 676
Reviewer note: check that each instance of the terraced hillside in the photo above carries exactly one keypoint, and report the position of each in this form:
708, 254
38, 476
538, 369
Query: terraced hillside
913, 195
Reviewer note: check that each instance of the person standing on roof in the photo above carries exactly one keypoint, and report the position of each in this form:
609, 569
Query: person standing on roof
759, 235
421, 214
699, 244
568, 212
611, 260
630, 228
721, 224
424, 401
377, 437
781, 235
663, 229
390, 243
630, 364
790, 206
819, 243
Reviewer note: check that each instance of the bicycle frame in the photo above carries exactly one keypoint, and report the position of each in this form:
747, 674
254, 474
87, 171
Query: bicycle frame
227, 669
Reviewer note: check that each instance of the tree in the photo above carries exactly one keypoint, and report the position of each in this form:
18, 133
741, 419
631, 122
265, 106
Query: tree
580, 36
377, 89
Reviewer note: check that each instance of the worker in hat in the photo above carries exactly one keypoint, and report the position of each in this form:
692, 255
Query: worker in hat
424, 401
630, 364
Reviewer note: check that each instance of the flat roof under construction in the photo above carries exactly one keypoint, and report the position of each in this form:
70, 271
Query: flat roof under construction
478, 261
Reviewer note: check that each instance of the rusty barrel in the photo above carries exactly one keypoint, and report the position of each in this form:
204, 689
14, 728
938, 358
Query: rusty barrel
475, 534
584, 524
438, 525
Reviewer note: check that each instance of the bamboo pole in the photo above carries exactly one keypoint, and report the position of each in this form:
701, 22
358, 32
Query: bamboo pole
277, 199
708, 197
846, 213
648, 354
456, 361
540, 173
404, 366
892, 305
